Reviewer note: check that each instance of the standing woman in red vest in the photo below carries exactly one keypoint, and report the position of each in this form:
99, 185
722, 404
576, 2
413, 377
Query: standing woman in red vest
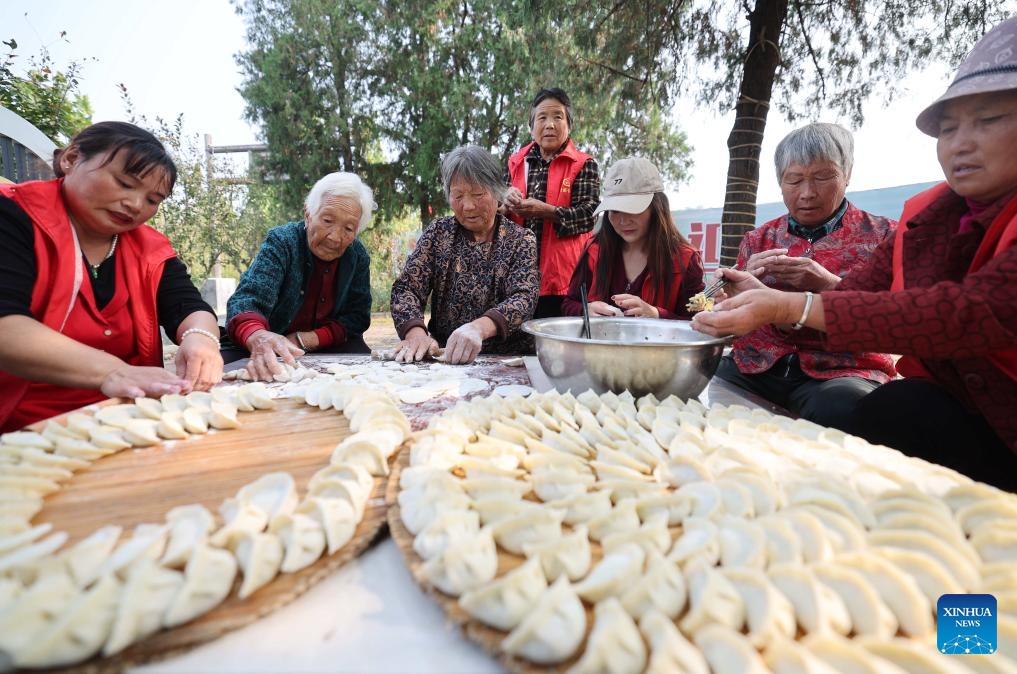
942, 291
553, 190
86, 283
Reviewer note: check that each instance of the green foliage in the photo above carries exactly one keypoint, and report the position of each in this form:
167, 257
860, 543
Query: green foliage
390, 244
383, 89
46, 97
214, 216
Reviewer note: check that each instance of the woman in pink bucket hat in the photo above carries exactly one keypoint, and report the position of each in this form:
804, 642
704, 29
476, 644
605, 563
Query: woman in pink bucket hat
942, 291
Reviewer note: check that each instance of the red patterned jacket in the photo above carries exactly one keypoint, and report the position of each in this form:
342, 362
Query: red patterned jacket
839, 252
949, 317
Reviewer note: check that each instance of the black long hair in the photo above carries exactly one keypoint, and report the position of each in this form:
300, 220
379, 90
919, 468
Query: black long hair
663, 241
144, 151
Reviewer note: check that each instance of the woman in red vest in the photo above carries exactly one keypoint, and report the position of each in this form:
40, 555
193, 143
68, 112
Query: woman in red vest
638, 263
86, 284
942, 291
554, 189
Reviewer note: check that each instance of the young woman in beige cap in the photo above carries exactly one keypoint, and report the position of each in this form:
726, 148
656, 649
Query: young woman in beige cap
638, 263
942, 291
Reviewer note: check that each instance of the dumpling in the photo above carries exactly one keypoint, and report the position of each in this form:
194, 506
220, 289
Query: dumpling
557, 484
712, 599
671, 505
622, 518
148, 541
614, 645
503, 603
660, 588
869, 615
238, 518
108, 438
553, 629
171, 426
302, 537
818, 608
78, 632
467, 563
652, 535
149, 408
208, 578
141, 432
194, 421
495, 487
569, 555
995, 544
36, 608
768, 613
336, 518
494, 510
815, 542
85, 558
728, 652
418, 507
783, 546
911, 657
146, 595
26, 439
846, 657
742, 543
582, 508
701, 499
448, 526
342, 490
26, 556
951, 557
13, 542
786, 656
260, 556
532, 526
670, 651
273, 494
616, 571
897, 589
844, 533
697, 545
189, 525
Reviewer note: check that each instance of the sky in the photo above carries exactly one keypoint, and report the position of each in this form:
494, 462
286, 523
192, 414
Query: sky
179, 58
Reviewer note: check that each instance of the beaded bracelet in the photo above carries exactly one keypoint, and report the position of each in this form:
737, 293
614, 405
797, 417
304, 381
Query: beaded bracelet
199, 331
805, 312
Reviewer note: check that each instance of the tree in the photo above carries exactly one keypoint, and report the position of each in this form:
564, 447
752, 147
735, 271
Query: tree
807, 57
383, 89
46, 97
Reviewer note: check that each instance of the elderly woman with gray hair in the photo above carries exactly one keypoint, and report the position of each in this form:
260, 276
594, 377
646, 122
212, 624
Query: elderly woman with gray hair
820, 240
478, 268
309, 288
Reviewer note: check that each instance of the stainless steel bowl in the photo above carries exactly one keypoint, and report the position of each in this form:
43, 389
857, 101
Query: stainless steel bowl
639, 355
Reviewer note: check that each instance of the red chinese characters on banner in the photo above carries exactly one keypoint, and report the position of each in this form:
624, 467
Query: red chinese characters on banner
707, 239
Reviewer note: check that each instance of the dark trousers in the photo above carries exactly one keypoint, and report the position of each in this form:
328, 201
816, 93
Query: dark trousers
353, 344
829, 402
548, 306
920, 418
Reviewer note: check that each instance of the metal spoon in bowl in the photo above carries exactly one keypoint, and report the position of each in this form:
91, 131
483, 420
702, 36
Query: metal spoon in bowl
585, 334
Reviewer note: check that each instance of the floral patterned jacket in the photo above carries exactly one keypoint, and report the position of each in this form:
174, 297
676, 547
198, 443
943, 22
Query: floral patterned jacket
466, 280
839, 252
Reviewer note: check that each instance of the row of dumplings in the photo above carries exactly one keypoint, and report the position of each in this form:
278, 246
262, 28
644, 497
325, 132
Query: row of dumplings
58, 607
34, 464
809, 553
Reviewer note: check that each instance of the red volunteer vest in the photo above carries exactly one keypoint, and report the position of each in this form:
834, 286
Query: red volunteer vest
558, 256
62, 299
1001, 234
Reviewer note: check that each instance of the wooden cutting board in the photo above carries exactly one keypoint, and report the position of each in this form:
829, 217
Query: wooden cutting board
140, 485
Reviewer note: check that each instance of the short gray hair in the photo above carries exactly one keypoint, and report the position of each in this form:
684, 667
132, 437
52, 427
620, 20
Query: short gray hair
341, 184
819, 141
476, 165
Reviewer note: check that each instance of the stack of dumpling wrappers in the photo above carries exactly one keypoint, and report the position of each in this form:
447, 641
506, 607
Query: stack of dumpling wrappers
608, 534
62, 605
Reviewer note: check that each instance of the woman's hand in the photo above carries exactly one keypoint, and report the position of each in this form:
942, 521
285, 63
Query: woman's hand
463, 344
415, 346
801, 273
513, 197
199, 362
266, 348
745, 312
758, 263
633, 305
737, 282
599, 308
139, 382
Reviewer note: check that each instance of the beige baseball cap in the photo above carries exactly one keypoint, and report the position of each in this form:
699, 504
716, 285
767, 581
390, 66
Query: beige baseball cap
991, 66
629, 186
